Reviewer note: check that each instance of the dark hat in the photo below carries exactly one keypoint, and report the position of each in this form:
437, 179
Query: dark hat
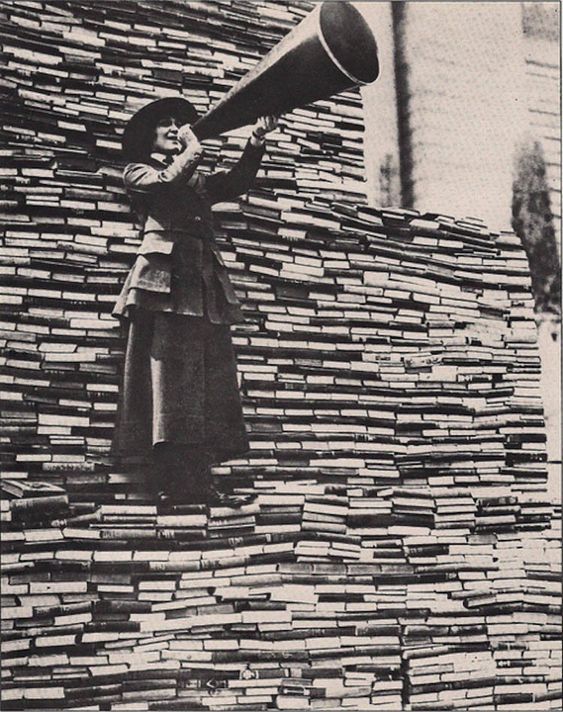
139, 132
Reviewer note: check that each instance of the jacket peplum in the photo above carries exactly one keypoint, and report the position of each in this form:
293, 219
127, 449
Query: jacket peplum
178, 266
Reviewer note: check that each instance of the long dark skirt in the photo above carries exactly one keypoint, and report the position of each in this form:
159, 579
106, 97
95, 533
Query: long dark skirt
179, 386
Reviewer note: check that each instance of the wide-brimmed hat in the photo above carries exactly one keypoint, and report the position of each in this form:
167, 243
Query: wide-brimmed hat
139, 132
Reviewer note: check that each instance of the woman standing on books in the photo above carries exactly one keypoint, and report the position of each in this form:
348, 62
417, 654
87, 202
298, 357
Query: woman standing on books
179, 400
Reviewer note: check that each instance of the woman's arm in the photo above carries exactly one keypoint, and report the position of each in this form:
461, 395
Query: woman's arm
226, 185
142, 178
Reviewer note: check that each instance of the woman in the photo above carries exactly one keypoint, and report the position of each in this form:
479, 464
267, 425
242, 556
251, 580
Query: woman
180, 400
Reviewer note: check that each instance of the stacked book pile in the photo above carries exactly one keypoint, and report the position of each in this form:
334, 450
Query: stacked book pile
400, 552
135, 605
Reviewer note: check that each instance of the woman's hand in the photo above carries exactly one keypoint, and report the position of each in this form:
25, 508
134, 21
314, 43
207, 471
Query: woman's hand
190, 141
263, 126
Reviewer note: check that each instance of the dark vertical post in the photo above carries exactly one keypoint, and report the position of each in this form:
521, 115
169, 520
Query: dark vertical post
399, 15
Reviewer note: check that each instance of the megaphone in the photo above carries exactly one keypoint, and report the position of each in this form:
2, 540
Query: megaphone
331, 50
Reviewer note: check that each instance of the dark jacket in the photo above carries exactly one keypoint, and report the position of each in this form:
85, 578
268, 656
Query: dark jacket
179, 263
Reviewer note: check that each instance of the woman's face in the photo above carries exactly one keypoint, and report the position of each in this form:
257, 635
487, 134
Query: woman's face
166, 136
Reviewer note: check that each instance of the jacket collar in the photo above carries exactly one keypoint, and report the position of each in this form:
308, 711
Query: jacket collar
158, 157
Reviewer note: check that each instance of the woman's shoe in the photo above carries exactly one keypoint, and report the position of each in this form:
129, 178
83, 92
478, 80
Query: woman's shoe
221, 499
177, 498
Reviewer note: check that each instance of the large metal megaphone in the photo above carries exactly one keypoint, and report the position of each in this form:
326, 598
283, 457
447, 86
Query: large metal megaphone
331, 50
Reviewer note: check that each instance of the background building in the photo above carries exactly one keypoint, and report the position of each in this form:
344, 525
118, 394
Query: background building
462, 86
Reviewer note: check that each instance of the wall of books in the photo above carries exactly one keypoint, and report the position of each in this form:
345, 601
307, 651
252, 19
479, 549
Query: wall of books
400, 553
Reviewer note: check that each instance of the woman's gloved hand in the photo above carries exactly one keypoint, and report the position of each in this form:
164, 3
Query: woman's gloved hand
263, 126
190, 141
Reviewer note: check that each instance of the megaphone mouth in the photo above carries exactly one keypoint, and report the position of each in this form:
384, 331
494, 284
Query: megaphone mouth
349, 50
331, 50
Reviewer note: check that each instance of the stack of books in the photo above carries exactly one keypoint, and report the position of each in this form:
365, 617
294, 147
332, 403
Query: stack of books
27, 503
401, 551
